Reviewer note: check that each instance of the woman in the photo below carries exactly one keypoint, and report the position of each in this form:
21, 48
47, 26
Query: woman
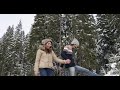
44, 59
67, 54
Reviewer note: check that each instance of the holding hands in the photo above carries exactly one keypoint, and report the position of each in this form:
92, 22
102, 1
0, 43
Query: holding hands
67, 61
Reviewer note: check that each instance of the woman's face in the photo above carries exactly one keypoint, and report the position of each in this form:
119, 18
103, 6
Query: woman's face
48, 45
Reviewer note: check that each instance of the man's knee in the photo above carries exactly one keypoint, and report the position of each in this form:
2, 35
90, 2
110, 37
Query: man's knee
72, 71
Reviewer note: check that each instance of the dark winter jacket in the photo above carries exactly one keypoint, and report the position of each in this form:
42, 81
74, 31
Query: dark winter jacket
68, 54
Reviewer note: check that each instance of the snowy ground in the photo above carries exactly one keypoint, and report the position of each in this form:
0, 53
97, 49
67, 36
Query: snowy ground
114, 71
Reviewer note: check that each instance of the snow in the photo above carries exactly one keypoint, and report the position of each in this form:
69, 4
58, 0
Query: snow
63, 15
106, 25
80, 21
89, 34
113, 63
104, 31
114, 58
98, 29
105, 45
46, 22
82, 47
114, 71
102, 34
65, 27
99, 41
76, 15
82, 30
119, 49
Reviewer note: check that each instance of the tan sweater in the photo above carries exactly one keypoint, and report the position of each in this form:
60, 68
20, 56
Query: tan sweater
44, 60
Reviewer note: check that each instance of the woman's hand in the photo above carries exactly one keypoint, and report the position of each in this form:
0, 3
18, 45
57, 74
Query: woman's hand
36, 73
67, 61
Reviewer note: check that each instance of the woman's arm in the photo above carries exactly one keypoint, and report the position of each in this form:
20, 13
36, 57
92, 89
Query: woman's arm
38, 55
57, 59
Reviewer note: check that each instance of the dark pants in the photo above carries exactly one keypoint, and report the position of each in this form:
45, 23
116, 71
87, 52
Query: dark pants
46, 72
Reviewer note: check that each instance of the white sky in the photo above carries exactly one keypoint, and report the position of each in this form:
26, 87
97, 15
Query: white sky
13, 19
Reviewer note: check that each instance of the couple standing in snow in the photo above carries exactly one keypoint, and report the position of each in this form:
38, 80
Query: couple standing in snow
45, 56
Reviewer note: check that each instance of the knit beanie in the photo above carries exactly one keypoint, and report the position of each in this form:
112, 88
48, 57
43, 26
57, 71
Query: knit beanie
75, 41
44, 41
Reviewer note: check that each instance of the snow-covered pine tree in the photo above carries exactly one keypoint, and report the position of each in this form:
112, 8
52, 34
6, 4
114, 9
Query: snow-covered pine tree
27, 64
82, 27
108, 36
7, 52
18, 50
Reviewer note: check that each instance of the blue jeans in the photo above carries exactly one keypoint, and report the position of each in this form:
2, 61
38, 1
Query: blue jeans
85, 71
46, 72
81, 70
72, 71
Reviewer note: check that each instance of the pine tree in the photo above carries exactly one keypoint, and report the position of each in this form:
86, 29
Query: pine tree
18, 49
1, 54
108, 36
82, 27
86, 35
28, 69
14, 53
7, 52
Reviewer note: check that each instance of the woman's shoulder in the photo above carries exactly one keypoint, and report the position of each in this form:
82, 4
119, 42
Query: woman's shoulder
40, 51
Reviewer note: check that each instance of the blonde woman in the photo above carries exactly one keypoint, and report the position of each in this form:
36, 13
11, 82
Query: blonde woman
44, 59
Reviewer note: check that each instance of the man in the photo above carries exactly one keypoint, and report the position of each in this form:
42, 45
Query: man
67, 54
